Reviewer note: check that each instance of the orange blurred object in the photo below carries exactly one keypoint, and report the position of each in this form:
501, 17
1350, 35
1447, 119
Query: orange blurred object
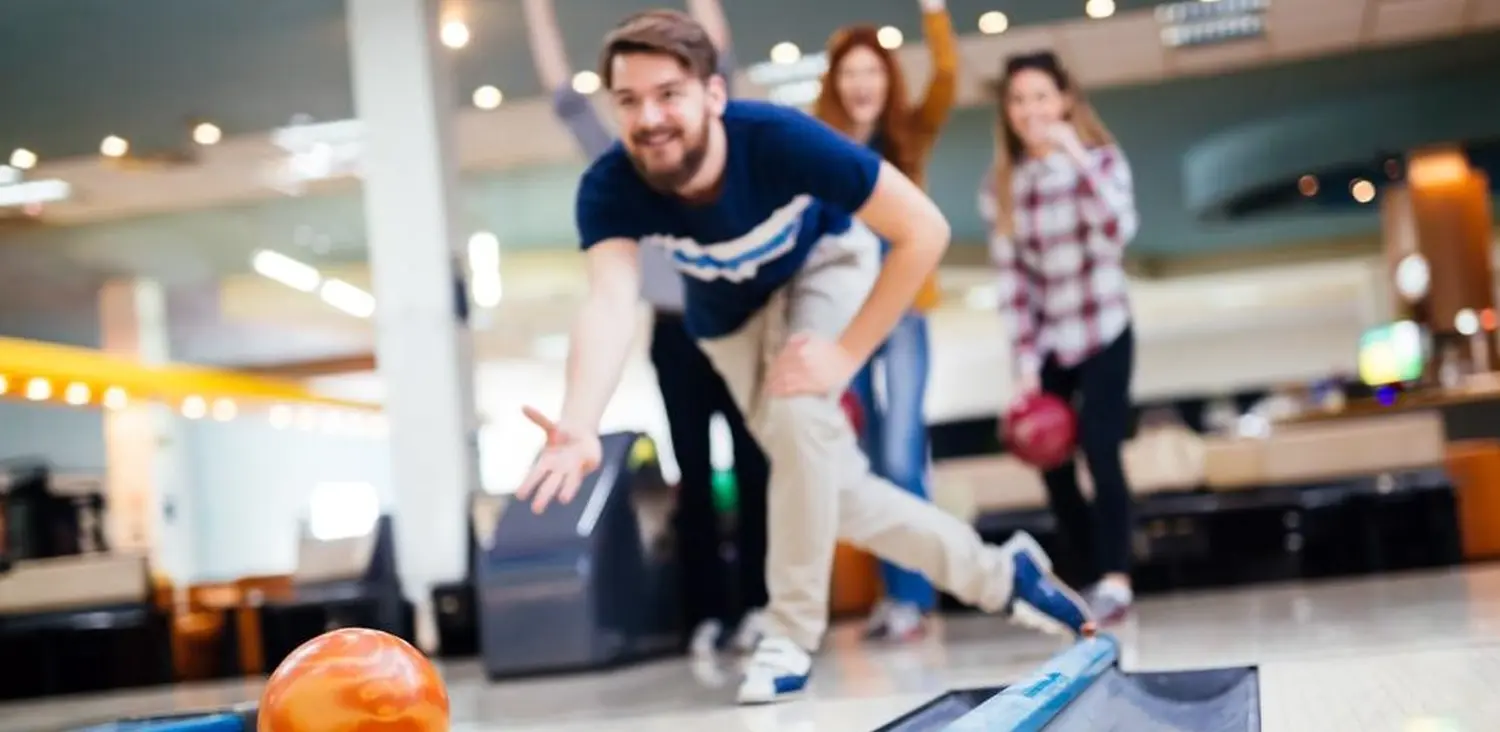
354, 680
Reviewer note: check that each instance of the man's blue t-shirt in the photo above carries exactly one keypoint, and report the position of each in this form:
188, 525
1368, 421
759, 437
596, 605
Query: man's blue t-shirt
789, 180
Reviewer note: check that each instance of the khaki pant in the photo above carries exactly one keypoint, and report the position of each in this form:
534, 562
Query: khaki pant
821, 487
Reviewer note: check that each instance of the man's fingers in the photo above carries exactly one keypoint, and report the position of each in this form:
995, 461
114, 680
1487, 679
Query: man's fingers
539, 419
546, 491
533, 479
570, 484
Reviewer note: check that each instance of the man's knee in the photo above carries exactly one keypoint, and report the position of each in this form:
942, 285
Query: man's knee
789, 422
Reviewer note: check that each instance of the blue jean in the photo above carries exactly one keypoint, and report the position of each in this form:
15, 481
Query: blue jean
895, 435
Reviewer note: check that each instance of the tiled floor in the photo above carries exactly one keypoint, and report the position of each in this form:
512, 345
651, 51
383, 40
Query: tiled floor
1412, 653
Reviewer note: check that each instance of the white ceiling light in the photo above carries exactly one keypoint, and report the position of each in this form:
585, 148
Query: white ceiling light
194, 407
114, 147
290, 272
488, 97
22, 158
1099, 8
485, 285
785, 52
207, 133
1362, 190
77, 394
455, 34
343, 296
316, 151
993, 23
890, 37
1466, 322
224, 410
586, 82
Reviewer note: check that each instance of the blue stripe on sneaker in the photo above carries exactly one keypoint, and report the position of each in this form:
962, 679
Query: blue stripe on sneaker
1037, 589
790, 684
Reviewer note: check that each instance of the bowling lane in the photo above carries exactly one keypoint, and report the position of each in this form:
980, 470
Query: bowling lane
1432, 690
1406, 653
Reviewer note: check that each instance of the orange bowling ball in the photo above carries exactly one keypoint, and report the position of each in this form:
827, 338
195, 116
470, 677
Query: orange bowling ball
354, 680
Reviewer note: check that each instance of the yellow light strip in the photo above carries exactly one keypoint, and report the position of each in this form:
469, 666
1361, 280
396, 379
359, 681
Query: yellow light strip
97, 372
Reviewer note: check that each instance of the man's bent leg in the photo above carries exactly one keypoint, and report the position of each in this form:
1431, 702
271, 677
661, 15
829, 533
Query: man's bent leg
876, 514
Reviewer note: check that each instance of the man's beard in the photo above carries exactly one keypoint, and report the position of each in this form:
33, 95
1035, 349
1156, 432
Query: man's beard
693, 154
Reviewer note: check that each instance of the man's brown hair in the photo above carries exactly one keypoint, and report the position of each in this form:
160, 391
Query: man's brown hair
662, 32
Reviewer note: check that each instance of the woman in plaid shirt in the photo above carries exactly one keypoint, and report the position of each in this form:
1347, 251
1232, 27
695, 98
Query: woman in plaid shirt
1062, 209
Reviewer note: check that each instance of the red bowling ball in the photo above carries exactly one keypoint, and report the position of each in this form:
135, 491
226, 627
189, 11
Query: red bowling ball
1041, 430
853, 411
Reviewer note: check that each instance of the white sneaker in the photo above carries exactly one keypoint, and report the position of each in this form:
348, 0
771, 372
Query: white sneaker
778, 670
904, 622
750, 631
706, 637
878, 624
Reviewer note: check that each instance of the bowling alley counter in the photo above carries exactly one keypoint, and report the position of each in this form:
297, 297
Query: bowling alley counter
1468, 413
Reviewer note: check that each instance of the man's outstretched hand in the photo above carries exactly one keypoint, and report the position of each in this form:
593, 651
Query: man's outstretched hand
567, 458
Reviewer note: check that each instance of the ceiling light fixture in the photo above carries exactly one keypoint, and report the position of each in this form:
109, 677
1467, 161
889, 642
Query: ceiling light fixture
207, 133
290, 272
488, 97
114, 147
993, 23
224, 410
77, 394
890, 37
1200, 23
785, 52
454, 34
22, 158
194, 407
586, 82
341, 295
1099, 9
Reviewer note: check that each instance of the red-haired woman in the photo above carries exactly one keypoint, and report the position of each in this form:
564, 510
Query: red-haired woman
864, 96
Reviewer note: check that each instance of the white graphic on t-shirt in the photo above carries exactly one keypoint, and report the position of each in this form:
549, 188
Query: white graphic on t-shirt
738, 259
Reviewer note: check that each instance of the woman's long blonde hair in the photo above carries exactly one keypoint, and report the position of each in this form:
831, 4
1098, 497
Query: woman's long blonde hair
1008, 146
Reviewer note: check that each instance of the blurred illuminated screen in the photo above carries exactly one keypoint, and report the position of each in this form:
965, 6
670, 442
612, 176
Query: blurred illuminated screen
1391, 354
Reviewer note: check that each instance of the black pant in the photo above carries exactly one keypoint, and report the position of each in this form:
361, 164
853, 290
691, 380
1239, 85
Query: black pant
693, 392
1099, 389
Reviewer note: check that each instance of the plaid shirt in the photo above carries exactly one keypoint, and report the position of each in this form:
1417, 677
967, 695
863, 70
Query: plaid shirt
1061, 275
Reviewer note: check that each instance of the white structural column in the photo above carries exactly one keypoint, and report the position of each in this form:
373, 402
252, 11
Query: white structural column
403, 97
150, 506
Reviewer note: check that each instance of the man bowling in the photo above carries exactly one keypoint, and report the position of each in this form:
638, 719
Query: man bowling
772, 218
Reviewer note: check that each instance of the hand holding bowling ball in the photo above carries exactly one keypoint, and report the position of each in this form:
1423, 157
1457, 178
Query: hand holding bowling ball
1041, 430
354, 680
